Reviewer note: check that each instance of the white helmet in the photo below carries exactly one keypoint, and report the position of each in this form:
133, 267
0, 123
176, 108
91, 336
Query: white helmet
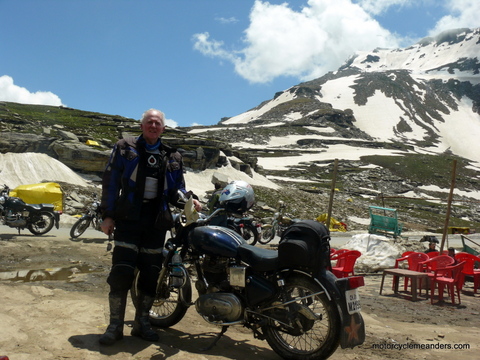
238, 196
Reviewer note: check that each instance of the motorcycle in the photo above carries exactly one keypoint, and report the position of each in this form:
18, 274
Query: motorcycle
280, 222
92, 217
247, 227
287, 297
39, 219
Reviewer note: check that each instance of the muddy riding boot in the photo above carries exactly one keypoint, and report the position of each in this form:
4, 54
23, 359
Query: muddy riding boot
114, 331
141, 326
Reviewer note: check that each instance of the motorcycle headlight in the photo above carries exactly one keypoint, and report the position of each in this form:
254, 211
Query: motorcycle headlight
2, 199
95, 206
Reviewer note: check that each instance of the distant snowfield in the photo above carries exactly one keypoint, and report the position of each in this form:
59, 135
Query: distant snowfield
254, 114
33, 168
340, 151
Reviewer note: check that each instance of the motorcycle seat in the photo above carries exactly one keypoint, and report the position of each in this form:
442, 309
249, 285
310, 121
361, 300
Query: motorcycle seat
258, 258
36, 207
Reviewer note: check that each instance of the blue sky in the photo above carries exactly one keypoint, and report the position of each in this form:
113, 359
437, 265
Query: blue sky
196, 60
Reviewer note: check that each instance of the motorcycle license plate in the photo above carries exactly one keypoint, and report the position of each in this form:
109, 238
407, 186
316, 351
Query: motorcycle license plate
353, 301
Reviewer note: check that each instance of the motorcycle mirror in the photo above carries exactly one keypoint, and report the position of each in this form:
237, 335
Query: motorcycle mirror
182, 197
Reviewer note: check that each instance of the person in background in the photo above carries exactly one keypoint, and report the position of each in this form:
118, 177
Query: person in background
142, 177
432, 246
221, 218
213, 203
451, 253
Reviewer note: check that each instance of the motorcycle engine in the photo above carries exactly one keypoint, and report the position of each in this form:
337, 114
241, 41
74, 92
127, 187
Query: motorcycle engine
15, 220
215, 271
219, 307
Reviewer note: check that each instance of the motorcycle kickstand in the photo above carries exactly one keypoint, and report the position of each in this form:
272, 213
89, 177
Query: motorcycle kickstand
214, 342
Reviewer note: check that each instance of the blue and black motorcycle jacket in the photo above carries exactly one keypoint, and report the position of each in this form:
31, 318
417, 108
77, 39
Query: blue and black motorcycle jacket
123, 183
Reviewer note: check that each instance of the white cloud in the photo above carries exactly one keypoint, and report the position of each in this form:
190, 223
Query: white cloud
14, 93
463, 14
304, 44
171, 123
318, 38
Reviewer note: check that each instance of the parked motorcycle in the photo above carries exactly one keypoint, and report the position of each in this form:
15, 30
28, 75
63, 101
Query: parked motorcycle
247, 227
92, 217
280, 222
39, 219
287, 297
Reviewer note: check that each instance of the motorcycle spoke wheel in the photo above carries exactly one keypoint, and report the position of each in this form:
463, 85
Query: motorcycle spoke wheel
79, 228
168, 308
43, 224
267, 235
250, 234
315, 324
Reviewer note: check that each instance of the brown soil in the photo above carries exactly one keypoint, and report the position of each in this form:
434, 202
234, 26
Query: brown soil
59, 311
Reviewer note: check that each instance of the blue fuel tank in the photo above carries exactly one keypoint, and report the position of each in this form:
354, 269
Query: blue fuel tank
215, 241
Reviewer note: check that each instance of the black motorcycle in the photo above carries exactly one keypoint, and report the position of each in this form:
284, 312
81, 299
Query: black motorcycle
250, 230
92, 217
39, 219
287, 297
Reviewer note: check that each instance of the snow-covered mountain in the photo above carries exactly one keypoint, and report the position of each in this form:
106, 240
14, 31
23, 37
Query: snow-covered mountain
426, 96
394, 119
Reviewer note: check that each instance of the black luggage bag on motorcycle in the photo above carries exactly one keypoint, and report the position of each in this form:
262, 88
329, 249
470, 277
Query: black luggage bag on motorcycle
305, 245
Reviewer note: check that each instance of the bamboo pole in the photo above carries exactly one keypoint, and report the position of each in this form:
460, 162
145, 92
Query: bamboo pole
449, 205
332, 193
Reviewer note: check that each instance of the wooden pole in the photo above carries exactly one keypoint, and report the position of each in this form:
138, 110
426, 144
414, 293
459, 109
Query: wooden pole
332, 193
449, 205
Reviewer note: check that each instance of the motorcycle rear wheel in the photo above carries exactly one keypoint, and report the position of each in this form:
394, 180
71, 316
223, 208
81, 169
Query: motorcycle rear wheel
79, 228
168, 308
43, 225
268, 233
251, 234
310, 339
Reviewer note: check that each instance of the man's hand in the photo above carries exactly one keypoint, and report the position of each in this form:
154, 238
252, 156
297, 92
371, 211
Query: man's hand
197, 205
108, 225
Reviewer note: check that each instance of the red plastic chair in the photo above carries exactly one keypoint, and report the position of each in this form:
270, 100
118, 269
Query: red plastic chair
413, 259
432, 254
450, 277
336, 256
401, 258
338, 252
347, 263
435, 264
469, 268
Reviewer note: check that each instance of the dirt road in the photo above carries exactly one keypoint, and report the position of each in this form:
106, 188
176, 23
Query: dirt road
53, 300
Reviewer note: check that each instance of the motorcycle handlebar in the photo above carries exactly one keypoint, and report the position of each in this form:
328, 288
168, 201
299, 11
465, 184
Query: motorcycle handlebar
206, 220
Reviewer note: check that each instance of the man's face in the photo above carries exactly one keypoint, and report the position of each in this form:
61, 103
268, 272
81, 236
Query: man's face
152, 127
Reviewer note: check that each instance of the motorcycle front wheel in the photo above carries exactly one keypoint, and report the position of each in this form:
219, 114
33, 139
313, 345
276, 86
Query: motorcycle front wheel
315, 323
43, 223
168, 308
79, 228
